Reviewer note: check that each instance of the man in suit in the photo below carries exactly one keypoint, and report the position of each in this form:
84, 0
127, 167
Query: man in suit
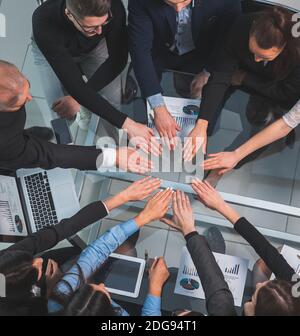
178, 35
22, 149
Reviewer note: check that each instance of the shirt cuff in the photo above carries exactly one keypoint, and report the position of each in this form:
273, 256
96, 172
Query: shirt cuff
292, 118
289, 121
152, 306
129, 228
109, 158
156, 101
190, 235
105, 206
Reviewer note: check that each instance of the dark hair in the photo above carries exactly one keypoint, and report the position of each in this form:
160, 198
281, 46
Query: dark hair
19, 272
273, 28
276, 299
86, 301
84, 8
35, 306
89, 302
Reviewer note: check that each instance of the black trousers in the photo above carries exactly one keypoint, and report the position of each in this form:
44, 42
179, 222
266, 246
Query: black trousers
38, 153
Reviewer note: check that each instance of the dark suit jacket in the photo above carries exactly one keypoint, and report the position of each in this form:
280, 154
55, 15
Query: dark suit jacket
152, 30
219, 299
234, 54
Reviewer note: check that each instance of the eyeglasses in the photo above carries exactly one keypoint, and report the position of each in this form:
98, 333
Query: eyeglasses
93, 29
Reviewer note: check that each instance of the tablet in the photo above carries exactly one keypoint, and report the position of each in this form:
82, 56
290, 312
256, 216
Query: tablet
121, 275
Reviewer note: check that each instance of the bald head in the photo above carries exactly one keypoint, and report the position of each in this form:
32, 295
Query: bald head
12, 86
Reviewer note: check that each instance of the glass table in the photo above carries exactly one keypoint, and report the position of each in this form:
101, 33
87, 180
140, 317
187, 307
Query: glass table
265, 190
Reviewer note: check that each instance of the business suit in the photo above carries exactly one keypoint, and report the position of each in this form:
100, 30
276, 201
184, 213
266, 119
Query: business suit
219, 299
20, 149
152, 29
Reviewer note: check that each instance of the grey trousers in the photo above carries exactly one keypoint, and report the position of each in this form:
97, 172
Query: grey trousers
89, 64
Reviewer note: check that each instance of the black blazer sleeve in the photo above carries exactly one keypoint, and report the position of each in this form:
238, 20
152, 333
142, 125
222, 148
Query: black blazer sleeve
287, 90
141, 36
219, 299
49, 237
220, 80
273, 259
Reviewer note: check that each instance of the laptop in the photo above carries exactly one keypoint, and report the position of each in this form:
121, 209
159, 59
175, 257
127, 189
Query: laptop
33, 200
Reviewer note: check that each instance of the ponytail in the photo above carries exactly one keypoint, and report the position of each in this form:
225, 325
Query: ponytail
273, 28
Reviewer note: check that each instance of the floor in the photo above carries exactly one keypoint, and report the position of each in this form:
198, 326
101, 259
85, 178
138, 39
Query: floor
156, 238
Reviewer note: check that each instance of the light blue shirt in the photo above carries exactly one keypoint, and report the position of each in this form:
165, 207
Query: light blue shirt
184, 43
92, 258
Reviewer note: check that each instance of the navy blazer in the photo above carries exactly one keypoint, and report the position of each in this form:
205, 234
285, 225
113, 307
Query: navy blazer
152, 30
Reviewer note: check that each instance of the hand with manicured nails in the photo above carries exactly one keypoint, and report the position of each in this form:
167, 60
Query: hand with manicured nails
183, 217
155, 208
213, 200
141, 189
208, 195
158, 275
224, 161
130, 159
137, 191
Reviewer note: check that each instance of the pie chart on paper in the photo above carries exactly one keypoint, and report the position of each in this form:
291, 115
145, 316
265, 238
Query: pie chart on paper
189, 284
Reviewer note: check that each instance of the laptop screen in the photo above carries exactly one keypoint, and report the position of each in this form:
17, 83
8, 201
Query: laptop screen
12, 221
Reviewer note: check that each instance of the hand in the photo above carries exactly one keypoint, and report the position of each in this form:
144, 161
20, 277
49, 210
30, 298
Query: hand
158, 275
156, 207
224, 161
213, 200
183, 217
166, 126
238, 77
208, 195
142, 137
196, 139
53, 274
140, 190
129, 159
198, 83
66, 107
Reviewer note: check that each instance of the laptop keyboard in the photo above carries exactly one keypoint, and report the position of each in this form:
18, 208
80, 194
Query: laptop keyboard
41, 201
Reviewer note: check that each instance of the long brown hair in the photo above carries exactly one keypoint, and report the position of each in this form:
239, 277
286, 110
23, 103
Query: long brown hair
276, 299
273, 28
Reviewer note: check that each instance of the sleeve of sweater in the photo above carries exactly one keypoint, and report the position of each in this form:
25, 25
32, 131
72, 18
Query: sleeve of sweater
51, 44
50, 236
273, 259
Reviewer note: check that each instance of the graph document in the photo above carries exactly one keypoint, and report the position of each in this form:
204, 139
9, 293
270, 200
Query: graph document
184, 111
234, 270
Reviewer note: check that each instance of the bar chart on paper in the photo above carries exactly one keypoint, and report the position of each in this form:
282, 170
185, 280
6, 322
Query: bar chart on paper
233, 268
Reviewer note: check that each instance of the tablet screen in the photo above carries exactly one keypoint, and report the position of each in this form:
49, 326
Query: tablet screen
121, 275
